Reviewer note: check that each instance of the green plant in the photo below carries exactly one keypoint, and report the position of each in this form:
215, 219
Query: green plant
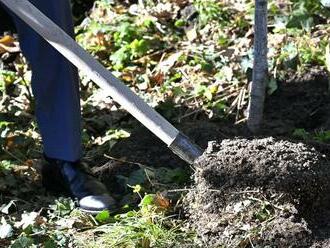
62, 207
6, 165
304, 14
130, 43
22, 242
125, 33
289, 56
301, 133
322, 135
6, 78
211, 10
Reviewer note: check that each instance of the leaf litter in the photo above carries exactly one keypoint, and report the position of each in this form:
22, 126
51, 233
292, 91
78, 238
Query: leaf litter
196, 54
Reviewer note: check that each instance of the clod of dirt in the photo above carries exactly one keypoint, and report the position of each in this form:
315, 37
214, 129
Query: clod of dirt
262, 192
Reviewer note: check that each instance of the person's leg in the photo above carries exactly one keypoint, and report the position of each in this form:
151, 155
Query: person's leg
6, 22
55, 84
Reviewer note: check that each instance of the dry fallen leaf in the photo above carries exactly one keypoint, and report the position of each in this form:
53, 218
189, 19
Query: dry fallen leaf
158, 78
191, 32
162, 202
165, 11
10, 142
168, 63
8, 44
180, 3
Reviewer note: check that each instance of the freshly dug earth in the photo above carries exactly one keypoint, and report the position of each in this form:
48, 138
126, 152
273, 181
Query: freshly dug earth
299, 103
259, 193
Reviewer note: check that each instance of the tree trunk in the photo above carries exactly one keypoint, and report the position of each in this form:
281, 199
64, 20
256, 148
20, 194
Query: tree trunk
260, 67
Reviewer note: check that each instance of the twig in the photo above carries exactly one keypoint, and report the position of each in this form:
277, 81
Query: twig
266, 201
233, 105
240, 102
12, 155
180, 190
246, 191
189, 114
250, 241
241, 120
149, 179
125, 161
29, 94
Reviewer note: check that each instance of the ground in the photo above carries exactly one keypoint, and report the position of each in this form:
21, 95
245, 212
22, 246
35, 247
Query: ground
194, 66
279, 186
283, 180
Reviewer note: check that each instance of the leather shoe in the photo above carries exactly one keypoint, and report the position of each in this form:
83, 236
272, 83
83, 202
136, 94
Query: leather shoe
63, 177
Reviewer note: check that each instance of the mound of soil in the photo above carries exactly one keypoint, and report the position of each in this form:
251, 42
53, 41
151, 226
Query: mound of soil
261, 192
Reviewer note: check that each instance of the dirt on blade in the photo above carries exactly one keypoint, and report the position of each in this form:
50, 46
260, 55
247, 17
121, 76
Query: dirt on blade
261, 192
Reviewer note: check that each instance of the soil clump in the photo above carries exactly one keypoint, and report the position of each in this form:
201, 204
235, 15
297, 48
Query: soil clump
259, 193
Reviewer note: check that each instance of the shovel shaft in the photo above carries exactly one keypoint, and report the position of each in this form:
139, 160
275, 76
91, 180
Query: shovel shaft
64, 44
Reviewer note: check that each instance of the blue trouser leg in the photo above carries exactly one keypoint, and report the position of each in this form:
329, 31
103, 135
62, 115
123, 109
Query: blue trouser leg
54, 83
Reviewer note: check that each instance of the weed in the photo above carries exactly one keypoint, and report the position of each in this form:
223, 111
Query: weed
322, 135
6, 79
318, 135
210, 10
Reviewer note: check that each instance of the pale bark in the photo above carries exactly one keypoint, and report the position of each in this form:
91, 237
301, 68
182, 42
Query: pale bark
260, 67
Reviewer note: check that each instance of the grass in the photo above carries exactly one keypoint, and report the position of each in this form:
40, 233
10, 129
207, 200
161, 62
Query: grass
134, 229
318, 135
148, 226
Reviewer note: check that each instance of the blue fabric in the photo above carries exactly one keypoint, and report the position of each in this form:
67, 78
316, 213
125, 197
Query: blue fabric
54, 84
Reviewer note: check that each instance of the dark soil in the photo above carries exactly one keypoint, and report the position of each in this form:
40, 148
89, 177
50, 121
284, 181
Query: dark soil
260, 191
299, 103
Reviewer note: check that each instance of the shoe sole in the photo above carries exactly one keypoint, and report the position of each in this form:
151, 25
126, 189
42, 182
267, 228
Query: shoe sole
96, 212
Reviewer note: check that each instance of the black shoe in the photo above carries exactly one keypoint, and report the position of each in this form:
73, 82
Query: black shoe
70, 178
